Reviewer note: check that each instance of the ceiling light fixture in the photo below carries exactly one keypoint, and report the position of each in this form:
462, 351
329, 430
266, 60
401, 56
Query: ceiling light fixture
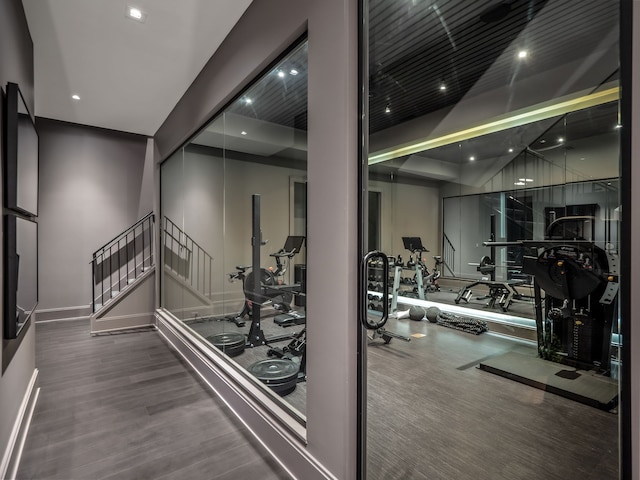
511, 150
134, 13
535, 113
519, 183
522, 54
472, 158
443, 87
387, 109
525, 179
243, 132
280, 73
618, 126
560, 139
248, 101
293, 72
75, 96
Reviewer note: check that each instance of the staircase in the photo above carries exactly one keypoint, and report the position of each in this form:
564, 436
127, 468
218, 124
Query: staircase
123, 279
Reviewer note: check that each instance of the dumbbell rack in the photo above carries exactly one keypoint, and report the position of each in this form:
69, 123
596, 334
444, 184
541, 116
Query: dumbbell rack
374, 288
396, 289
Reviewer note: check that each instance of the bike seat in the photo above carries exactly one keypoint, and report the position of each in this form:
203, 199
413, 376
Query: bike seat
242, 268
437, 258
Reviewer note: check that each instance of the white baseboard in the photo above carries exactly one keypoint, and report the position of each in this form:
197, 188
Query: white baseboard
13, 452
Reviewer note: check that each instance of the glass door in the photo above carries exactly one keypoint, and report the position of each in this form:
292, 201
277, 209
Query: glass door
491, 185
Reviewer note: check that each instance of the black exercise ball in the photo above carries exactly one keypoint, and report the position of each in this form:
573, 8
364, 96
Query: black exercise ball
432, 314
416, 313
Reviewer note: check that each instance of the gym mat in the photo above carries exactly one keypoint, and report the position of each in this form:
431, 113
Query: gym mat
584, 387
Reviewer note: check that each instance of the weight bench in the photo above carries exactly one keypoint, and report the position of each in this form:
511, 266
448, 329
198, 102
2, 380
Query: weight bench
502, 293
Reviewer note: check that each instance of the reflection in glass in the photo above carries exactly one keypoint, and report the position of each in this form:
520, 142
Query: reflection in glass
493, 139
234, 230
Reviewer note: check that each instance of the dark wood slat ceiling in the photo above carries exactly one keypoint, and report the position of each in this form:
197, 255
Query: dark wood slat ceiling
417, 45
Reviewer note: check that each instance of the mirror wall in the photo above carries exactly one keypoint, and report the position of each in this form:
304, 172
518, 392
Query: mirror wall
233, 203
494, 140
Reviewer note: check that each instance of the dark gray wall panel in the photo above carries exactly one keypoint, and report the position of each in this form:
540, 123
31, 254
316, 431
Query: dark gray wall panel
90, 187
16, 65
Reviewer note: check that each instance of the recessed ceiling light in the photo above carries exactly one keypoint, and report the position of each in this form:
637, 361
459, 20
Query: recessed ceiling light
511, 150
75, 96
472, 158
293, 72
443, 87
618, 126
522, 54
280, 73
134, 13
243, 132
248, 101
543, 141
387, 109
560, 139
519, 183
528, 179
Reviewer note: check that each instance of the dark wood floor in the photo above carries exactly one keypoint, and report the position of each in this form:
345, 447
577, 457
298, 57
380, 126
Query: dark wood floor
434, 415
125, 406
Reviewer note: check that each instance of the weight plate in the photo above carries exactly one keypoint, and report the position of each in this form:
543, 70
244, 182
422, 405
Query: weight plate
279, 374
231, 343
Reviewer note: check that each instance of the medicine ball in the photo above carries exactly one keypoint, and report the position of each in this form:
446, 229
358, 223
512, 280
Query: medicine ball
432, 314
416, 313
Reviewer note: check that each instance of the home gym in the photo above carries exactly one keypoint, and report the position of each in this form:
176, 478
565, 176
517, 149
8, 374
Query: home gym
491, 303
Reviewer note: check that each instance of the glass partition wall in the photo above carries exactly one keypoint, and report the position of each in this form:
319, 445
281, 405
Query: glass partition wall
494, 150
233, 204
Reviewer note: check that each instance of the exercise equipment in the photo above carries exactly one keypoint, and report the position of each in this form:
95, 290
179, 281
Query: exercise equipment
429, 279
461, 322
574, 320
416, 313
231, 343
280, 375
432, 314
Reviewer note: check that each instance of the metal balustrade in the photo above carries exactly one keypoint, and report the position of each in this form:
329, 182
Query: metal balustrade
121, 261
187, 259
448, 255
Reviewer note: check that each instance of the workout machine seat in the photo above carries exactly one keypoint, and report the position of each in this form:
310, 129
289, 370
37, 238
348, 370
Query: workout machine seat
290, 319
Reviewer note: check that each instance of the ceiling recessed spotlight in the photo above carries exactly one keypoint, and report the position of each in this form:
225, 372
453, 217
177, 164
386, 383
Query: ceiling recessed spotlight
243, 132
75, 96
543, 141
528, 179
472, 158
519, 183
511, 150
280, 73
443, 87
248, 101
134, 13
560, 139
522, 54
387, 109
293, 72
618, 126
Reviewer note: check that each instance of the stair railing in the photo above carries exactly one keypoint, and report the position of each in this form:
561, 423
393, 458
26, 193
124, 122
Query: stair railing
187, 259
125, 258
448, 255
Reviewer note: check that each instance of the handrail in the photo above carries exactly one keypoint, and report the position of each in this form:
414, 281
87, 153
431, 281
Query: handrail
199, 263
448, 254
127, 261
126, 230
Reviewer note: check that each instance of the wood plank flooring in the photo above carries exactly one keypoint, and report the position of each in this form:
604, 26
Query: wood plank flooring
125, 406
432, 414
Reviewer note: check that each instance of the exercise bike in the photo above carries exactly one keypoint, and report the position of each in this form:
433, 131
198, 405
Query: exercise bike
273, 290
429, 278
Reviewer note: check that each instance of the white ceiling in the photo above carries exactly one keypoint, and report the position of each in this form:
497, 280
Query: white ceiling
128, 74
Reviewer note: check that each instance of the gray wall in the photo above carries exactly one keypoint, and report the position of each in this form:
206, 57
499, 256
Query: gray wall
16, 65
91, 189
